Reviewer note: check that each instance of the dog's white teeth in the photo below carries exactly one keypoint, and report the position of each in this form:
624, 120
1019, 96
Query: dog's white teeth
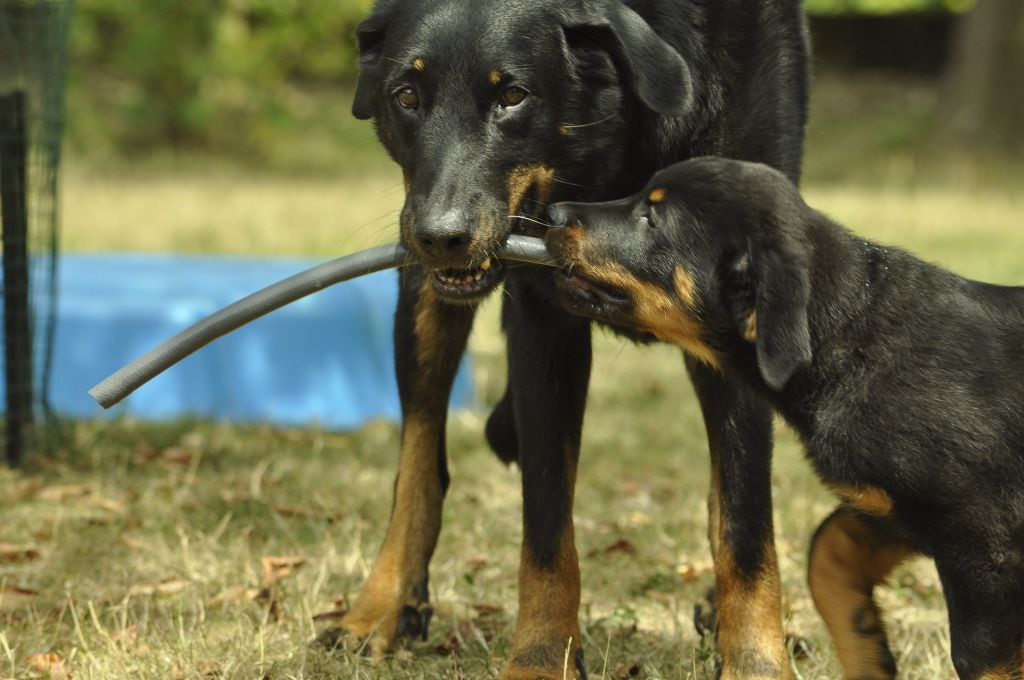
486, 265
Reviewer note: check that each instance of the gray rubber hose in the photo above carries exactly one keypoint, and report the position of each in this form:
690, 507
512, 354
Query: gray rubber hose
157, 360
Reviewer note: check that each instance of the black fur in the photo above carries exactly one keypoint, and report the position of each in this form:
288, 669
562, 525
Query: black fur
898, 375
614, 91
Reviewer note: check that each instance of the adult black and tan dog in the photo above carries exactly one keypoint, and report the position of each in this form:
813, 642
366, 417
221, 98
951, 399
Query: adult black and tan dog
493, 109
905, 381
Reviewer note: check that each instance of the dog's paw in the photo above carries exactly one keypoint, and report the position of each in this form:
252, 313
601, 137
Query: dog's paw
705, 615
377, 635
540, 663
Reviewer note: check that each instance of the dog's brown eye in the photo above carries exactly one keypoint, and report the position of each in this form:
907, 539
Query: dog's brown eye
512, 96
407, 98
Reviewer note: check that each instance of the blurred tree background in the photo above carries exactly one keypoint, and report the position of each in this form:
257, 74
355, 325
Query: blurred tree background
235, 75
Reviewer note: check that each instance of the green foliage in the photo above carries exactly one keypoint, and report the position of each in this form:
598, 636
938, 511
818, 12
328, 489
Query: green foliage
205, 71
222, 73
885, 6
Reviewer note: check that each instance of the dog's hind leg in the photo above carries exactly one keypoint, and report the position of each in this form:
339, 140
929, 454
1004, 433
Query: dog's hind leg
851, 553
501, 429
749, 633
430, 338
549, 362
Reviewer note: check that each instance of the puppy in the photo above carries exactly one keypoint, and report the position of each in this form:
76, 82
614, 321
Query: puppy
904, 381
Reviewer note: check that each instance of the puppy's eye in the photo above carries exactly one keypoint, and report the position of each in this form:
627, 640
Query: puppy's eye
513, 95
407, 98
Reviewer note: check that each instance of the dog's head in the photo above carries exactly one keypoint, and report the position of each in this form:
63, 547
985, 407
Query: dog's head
494, 108
712, 255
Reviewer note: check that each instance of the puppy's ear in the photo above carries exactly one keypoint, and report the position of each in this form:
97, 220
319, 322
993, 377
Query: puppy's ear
370, 39
652, 69
781, 293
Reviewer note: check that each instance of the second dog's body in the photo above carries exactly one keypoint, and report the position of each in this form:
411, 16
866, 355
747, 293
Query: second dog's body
905, 381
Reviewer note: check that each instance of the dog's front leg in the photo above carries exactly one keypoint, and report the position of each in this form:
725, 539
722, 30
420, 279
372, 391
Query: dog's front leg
747, 589
549, 370
430, 338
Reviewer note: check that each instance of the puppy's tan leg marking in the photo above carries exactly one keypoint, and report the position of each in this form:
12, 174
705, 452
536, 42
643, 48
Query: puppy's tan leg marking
847, 561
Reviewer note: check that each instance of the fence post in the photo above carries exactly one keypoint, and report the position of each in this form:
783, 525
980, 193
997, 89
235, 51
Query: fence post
14, 217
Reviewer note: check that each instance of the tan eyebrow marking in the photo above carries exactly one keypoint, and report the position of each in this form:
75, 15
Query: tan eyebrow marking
494, 76
657, 195
419, 63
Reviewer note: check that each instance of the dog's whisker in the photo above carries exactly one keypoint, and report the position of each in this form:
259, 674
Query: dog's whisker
530, 219
607, 118
559, 180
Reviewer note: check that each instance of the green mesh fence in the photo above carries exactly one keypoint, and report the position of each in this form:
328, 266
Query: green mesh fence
33, 69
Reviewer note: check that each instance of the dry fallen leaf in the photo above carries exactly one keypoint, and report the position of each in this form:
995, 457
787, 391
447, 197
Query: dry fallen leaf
177, 456
168, 586
22, 489
51, 664
12, 597
639, 519
130, 541
301, 513
620, 546
126, 637
330, 615
277, 568
692, 571
485, 608
13, 554
110, 505
234, 594
205, 669
63, 492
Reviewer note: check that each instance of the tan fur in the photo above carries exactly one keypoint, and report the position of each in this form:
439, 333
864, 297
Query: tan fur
686, 287
525, 176
867, 499
845, 565
654, 309
750, 328
419, 64
547, 625
657, 195
750, 637
564, 129
429, 329
416, 515
494, 77
1000, 674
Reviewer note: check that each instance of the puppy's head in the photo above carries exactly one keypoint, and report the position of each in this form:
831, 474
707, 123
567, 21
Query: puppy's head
711, 255
495, 109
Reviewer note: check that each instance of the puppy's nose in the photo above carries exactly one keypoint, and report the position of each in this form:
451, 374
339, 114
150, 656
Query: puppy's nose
445, 235
561, 214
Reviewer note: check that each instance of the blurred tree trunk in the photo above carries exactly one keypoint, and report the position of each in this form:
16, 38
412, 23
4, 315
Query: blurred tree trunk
983, 96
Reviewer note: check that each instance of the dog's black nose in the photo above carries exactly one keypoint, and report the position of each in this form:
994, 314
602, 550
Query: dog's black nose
561, 214
445, 235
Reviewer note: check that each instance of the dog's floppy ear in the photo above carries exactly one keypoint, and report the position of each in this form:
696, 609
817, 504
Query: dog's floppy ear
370, 39
781, 293
653, 69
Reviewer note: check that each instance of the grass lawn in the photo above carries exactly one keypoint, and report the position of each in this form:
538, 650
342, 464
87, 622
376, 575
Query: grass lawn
199, 550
